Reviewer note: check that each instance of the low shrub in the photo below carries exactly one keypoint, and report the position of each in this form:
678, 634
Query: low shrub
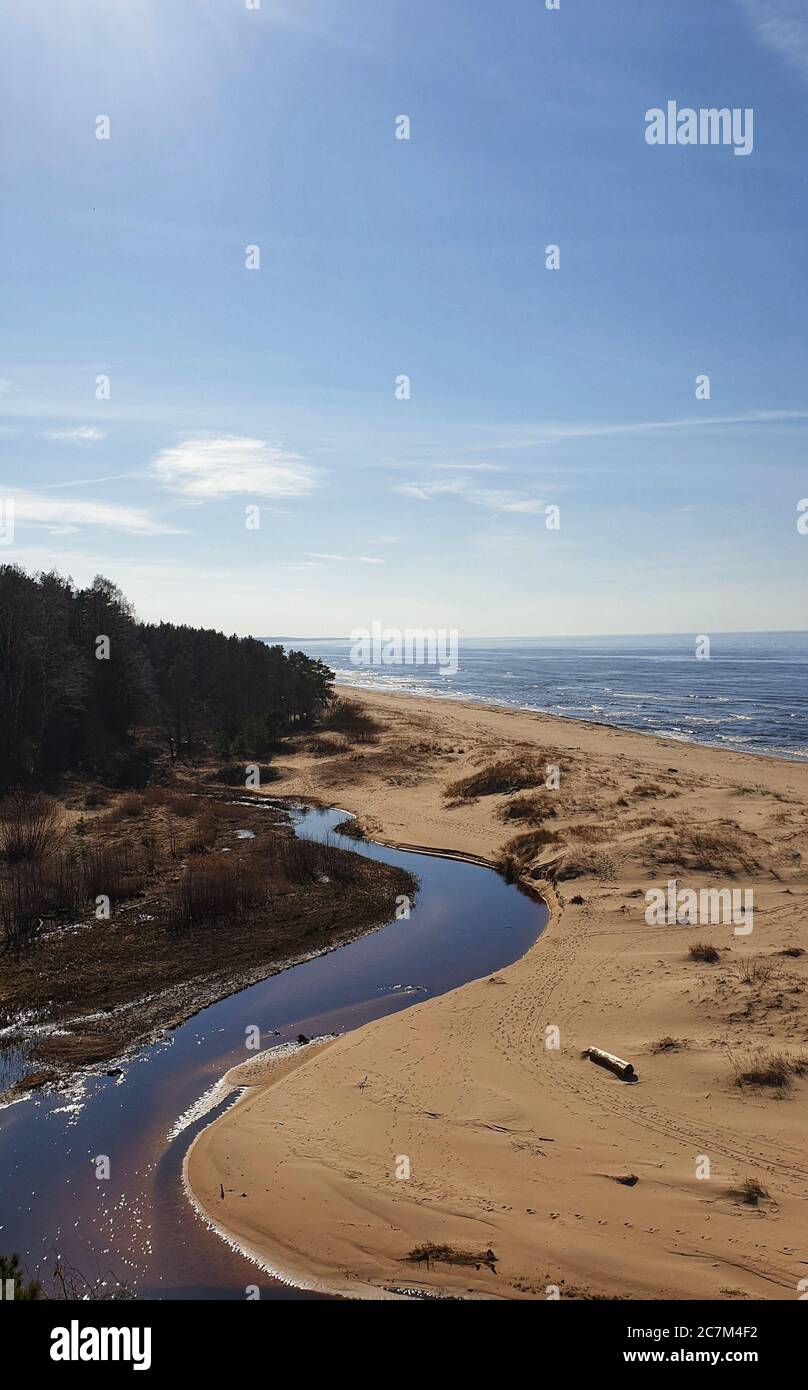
203, 832
511, 775
751, 1192
236, 774
722, 849
347, 717
128, 807
30, 826
95, 798
181, 804
522, 848
704, 952
431, 1253
529, 808
584, 863
767, 1069
215, 888
329, 746
757, 971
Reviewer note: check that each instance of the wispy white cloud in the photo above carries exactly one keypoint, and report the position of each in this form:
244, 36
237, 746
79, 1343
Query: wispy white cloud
536, 436
424, 492
62, 516
414, 461
468, 467
89, 482
210, 468
782, 25
495, 499
82, 434
501, 502
346, 559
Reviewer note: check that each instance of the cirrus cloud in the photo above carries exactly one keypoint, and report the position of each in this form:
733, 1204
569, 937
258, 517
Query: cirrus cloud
783, 27
346, 559
64, 516
82, 434
232, 464
495, 499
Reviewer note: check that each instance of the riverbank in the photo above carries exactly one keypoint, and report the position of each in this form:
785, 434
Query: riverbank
573, 1179
208, 893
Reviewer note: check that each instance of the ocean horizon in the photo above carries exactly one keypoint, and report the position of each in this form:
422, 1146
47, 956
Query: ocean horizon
750, 695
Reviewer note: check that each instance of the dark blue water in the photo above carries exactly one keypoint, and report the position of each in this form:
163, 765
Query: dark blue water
138, 1225
751, 695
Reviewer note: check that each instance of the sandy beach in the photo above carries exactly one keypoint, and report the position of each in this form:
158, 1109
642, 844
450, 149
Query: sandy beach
580, 1184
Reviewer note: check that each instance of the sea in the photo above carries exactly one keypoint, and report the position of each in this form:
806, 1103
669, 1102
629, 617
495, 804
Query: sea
749, 694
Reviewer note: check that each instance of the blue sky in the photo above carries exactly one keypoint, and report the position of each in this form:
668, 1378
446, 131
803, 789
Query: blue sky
232, 388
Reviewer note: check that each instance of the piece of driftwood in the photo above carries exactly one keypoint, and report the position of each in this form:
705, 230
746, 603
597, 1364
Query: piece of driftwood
615, 1064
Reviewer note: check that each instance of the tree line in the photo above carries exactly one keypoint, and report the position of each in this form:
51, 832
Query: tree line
85, 687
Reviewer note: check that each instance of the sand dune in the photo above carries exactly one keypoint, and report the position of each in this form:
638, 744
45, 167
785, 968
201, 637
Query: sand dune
515, 1147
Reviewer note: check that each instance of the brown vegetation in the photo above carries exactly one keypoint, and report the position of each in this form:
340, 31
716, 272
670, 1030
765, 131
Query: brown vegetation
502, 778
530, 808
756, 971
668, 1044
350, 719
195, 910
775, 1070
751, 1192
235, 774
329, 745
581, 863
430, 1254
213, 889
704, 952
722, 848
30, 826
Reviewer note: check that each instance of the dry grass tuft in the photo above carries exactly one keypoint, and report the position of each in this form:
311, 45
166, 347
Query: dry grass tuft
213, 889
648, 789
329, 745
757, 971
586, 833
446, 1254
751, 1192
704, 952
181, 804
522, 849
203, 832
668, 1044
773, 1070
583, 863
527, 808
348, 718
502, 778
722, 849
235, 775
30, 827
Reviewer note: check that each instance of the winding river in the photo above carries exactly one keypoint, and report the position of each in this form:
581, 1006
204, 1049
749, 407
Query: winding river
137, 1224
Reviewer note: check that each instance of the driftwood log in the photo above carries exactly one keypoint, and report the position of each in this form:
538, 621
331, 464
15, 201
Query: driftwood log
615, 1064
